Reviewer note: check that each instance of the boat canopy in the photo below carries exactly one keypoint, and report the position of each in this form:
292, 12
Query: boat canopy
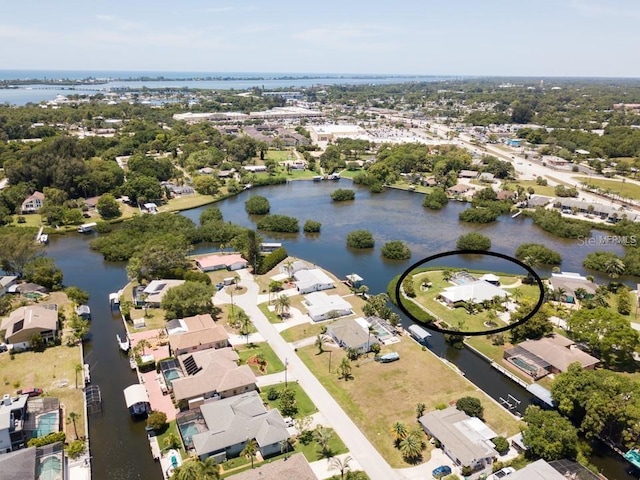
134, 394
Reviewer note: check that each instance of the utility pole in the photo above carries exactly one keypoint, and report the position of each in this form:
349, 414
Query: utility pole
286, 364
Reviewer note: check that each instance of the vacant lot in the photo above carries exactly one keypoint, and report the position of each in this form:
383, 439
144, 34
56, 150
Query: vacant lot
617, 187
53, 370
304, 403
250, 354
382, 394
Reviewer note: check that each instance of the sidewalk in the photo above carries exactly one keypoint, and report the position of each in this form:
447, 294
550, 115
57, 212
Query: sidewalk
360, 448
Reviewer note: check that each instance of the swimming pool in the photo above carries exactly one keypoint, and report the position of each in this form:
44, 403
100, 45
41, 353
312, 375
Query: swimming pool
50, 468
46, 424
527, 367
171, 374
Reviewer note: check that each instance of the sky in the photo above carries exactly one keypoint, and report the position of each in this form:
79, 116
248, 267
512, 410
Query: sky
425, 37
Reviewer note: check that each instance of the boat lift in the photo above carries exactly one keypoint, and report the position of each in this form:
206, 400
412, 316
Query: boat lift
510, 403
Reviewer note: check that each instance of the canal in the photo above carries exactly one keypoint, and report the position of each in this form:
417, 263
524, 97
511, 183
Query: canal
119, 446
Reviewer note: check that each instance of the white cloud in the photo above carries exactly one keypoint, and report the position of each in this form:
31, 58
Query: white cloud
119, 23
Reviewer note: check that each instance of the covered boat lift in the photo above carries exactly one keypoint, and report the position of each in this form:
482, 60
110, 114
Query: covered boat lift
137, 399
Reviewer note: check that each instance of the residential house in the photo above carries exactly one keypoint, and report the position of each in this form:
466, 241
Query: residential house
535, 201
197, 340
312, 280
569, 205
13, 413
466, 440
458, 189
554, 161
233, 422
6, 281
189, 324
25, 322
506, 195
569, 282
293, 467
468, 174
35, 463
151, 296
293, 267
351, 333
486, 177
555, 470
548, 355
33, 203
220, 262
321, 306
429, 182
476, 292
211, 374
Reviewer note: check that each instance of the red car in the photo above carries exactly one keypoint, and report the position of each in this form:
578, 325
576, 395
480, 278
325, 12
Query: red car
32, 392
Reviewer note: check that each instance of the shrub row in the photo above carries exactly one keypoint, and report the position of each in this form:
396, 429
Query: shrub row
271, 260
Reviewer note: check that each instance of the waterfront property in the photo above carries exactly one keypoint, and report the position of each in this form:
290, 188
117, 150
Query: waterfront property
293, 467
231, 423
569, 282
419, 333
466, 440
211, 374
152, 294
350, 333
197, 340
548, 355
554, 470
321, 306
312, 280
13, 412
211, 263
43, 417
476, 291
35, 463
6, 281
33, 203
25, 322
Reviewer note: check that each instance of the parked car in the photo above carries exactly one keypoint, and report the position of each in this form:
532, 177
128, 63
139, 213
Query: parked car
502, 473
219, 286
288, 421
32, 392
441, 471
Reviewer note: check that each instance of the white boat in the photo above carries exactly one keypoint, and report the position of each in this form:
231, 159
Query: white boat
124, 345
43, 238
175, 460
87, 227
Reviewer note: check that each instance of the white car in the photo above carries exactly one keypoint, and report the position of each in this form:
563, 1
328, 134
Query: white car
502, 473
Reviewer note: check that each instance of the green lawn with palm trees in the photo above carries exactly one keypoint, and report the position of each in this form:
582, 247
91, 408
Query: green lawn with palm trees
618, 188
467, 317
260, 357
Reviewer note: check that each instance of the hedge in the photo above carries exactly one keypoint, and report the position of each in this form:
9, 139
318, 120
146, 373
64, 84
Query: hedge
271, 260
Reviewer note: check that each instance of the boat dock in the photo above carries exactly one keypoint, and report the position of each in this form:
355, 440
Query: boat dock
509, 375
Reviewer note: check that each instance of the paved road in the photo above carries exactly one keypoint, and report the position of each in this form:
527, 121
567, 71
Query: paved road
359, 447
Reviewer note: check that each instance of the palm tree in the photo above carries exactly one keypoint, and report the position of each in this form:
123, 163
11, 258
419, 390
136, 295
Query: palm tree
614, 267
580, 293
420, 408
283, 302
73, 418
561, 294
196, 469
245, 325
344, 369
411, 446
250, 450
78, 369
517, 295
288, 265
323, 436
171, 441
399, 431
143, 345
320, 341
370, 329
341, 464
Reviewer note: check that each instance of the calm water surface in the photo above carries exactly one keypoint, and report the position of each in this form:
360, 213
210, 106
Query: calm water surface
119, 446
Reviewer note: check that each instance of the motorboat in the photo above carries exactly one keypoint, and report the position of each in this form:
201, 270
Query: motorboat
124, 345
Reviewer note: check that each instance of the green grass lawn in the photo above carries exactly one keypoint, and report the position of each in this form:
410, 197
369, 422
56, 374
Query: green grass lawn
246, 352
33, 220
538, 189
279, 155
459, 317
305, 405
171, 428
299, 332
625, 190
271, 315
379, 394
312, 450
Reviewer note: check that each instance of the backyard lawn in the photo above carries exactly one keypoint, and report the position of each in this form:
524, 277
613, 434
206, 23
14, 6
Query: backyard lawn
538, 189
52, 370
379, 394
304, 403
249, 354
